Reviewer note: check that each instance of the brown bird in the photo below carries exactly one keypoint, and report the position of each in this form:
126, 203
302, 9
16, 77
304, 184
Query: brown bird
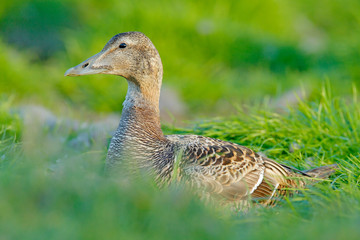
218, 168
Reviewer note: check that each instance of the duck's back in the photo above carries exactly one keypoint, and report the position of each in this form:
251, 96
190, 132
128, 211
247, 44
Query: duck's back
228, 170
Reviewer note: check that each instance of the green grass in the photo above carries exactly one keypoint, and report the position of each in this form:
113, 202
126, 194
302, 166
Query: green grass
60, 192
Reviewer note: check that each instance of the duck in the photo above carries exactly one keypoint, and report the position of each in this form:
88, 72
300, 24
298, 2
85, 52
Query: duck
216, 168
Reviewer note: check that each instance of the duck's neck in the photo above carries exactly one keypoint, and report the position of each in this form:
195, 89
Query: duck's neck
140, 120
144, 96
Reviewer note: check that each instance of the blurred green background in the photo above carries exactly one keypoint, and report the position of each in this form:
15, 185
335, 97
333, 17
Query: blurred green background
215, 54
250, 58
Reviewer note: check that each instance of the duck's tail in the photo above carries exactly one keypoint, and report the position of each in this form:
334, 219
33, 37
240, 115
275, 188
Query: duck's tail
322, 172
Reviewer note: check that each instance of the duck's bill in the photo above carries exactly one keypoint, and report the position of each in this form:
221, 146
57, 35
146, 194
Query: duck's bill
86, 68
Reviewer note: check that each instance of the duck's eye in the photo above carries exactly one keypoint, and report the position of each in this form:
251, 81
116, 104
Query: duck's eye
122, 45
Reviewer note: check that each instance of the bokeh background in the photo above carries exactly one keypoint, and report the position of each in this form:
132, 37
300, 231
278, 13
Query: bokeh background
217, 55
277, 76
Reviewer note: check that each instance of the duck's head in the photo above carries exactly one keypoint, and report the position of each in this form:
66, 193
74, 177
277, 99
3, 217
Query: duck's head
131, 55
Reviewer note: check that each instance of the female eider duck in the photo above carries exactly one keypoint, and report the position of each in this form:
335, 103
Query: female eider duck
223, 169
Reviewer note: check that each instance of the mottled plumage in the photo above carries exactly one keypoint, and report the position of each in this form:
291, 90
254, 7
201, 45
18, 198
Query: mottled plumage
217, 169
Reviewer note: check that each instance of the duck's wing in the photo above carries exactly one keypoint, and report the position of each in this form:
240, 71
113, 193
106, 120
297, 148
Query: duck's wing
231, 171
